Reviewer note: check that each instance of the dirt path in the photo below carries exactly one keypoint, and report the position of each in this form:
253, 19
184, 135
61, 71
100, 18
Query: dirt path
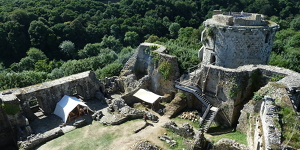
126, 138
150, 133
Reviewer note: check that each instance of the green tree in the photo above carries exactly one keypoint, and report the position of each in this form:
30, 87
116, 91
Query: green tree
90, 50
17, 39
20, 16
295, 24
41, 36
174, 28
68, 48
131, 38
112, 43
112, 69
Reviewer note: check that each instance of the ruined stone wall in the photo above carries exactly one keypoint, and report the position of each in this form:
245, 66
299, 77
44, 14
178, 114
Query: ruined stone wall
48, 94
232, 88
160, 85
260, 120
6, 132
142, 71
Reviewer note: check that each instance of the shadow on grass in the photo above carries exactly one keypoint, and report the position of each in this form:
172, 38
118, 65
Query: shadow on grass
218, 130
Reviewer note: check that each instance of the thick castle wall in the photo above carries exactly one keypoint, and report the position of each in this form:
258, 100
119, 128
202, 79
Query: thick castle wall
230, 41
6, 132
47, 94
237, 46
232, 88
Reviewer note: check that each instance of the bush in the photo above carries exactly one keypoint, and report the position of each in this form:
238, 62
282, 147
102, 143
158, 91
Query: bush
109, 70
10, 109
275, 78
181, 95
165, 69
257, 96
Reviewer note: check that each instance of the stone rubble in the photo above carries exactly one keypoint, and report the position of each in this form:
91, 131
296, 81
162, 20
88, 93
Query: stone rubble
122, 112
186, 130
145, 145
35, 140
97, 115
168, 140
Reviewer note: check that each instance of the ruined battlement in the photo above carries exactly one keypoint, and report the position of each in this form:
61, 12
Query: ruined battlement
235, 39
236, 19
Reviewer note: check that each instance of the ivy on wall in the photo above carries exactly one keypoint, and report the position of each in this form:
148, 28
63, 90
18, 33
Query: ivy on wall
165, 69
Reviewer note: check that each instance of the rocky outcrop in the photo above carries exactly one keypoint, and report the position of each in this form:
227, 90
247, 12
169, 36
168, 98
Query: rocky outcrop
229, 144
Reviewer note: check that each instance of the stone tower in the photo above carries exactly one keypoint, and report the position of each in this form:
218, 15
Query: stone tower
235, 39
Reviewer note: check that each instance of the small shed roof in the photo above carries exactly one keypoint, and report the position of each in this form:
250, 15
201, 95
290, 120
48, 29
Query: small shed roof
147, 96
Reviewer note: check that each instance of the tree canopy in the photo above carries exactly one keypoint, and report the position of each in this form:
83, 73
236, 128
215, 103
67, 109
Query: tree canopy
52, 39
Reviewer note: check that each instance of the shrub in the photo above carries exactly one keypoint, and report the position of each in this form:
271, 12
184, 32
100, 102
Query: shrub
257, 96
153, 47
10, 109
155, 56
181, 95
165, 69
275, 78
233, 91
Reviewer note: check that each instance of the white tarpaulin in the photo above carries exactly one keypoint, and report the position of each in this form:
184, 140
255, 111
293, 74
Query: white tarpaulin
147, 96
66, 105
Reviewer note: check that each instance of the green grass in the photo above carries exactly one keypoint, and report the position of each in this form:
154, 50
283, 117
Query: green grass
237, 135
288, 121
275, 78
180, 121
179, 139
93, 142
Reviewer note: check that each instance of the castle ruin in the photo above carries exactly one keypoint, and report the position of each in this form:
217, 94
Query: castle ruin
235, 39
236, 49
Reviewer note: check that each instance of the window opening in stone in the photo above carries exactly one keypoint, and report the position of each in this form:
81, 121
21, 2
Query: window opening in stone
77, 91
267, 38
212, 59
35, 107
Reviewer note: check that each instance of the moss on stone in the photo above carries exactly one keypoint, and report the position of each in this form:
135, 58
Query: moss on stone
181, 95
10, 109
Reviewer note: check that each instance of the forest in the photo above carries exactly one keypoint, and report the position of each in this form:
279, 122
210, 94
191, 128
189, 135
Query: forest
42, 40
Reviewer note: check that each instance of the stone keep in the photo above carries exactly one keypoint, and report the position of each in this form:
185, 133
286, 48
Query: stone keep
236, 38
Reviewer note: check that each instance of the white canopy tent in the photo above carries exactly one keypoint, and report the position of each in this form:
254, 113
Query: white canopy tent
147, 96
66, 105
